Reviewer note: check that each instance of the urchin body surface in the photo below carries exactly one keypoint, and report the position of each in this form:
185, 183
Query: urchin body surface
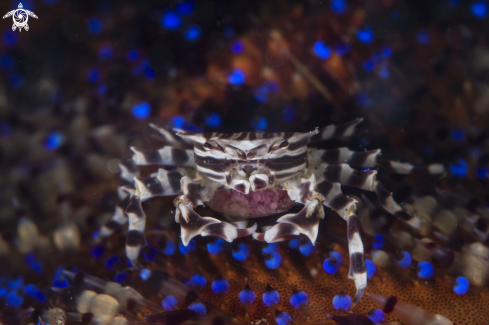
250, 175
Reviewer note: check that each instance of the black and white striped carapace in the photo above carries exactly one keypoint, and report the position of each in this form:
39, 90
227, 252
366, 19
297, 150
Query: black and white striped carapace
250, 175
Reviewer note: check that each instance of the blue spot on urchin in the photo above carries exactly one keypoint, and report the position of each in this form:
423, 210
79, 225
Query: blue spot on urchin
457, 135
269, 248
342, 49
105, 52
144, 274
192, 33
60, 283
30, 290
405, 260
213, 120
112, 262
294, 243
371, 268
94, 25
483, 172
133, 55
13, 299
377, 316
237, 47
322, 50
171, 20
121, 277
15, 284
97, 251
198, 307
338, 6
187, 249
178, 121
169, 303
460, 169
461, 285
341, 301
237, 77
273, 260
369, 65
185, 8
423, 37
220, 286
170, 248
378, 242
247, 296
270, 296
425, 270
298, 298
365, 36
332, 264
479, 8
150, 253
93, 75
141, 111
3, 292
53, 141
307, 249
288, 114
259, 123
198, 280
241, 253
282, 318
216, 246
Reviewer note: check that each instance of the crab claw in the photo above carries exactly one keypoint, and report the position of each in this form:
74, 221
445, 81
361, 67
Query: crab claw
191, 223
305, 221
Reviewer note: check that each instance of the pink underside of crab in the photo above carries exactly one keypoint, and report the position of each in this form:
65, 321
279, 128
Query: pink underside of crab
255, 204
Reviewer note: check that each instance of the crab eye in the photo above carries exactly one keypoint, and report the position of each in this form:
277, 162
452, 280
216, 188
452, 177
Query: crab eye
208, 146
279, 145
261, 150
241, 154
284, 144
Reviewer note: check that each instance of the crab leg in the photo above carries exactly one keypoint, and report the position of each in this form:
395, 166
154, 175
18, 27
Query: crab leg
168, 156
119, 218
337, 131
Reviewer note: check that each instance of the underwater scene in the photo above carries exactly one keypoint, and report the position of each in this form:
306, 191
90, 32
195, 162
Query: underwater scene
288, 162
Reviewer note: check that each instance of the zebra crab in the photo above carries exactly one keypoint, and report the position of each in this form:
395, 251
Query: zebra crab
249, 175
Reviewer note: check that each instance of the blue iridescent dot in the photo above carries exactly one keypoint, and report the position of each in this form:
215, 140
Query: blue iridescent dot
213, 120
386, 52
294, 243
298, 298
332, 264
198, 280
269, 248
185, 8
121, 277
237, 47
216, 246
220, 286
58, 273
97, 251
341, 301
178, 122
170, 248
60, 283
144, 274
171, 20
15, 284
270, 297
13, 299
102, 89
342, 49
192, 33
371, 268
377, 316
3, 292
105, 52
378, 242
307, 249
186, 249
479, 9
405, 261
237, 77
322, 50
30, 290
369, 65
483, 172
112, 262
150, 253
457, 135
93, 75
94, 25
53, 141
260, 124
461, 285
241, 253
283, 318
338, 6
149, 73
365, 36
460, 169
169, 302
141, 111
198, 307
423, 37
273, 260
425, 270
247, 296
40, 296
133, 55
288, 114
